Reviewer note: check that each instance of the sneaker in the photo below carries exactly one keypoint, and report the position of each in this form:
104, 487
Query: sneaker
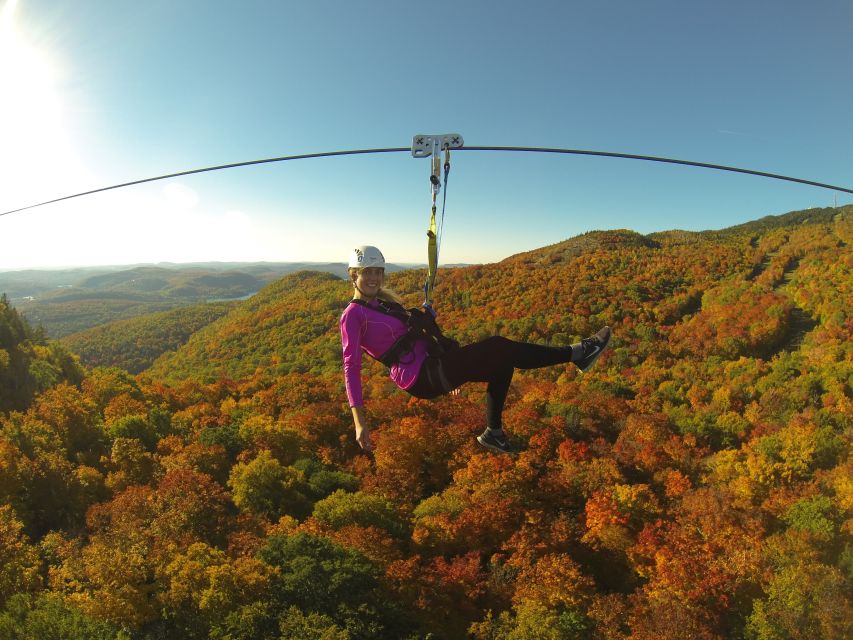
593, 347
496, 443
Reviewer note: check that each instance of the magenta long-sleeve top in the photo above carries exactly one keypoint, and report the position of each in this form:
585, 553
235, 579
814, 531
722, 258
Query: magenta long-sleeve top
364, 328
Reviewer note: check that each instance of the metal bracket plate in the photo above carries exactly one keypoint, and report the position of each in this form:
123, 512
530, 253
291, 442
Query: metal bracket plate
424, 145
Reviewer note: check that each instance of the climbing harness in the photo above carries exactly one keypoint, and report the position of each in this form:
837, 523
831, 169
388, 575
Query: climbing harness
425, 146
420, 325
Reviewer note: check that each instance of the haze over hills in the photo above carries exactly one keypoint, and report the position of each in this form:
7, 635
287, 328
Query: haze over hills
67, 301
71, 300
19, 283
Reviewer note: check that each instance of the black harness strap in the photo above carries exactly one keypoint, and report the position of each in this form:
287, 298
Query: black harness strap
420, 325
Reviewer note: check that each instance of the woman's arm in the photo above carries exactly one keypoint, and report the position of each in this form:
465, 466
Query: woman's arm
362, 429
351, 327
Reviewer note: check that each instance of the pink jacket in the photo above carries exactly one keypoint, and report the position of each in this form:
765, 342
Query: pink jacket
366, 329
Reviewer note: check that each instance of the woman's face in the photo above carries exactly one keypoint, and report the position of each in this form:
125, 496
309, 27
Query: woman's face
369, 281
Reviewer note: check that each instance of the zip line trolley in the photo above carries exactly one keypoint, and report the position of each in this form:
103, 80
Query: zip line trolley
431, 146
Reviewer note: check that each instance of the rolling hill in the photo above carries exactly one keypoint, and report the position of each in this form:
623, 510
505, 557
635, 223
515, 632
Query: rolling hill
666, 281
134, 344
67, 301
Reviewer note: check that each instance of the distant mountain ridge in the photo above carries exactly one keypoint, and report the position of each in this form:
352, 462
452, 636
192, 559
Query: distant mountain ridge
68, 301
138, 291
584, 243
33, 282
302, 309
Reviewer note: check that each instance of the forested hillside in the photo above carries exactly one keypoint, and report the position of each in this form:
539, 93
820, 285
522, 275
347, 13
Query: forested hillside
29, 363
134, 344
67, 301
288, 326
97, 298
695, 484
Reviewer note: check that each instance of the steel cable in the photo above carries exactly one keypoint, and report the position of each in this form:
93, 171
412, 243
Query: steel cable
326, 154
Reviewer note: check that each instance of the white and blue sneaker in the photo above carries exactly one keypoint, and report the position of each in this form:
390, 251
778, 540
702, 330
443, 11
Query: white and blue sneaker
592, 348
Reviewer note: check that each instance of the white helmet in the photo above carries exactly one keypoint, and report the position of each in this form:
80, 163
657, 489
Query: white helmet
366, 256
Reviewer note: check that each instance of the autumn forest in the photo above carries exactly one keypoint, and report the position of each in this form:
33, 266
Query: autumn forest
194, 474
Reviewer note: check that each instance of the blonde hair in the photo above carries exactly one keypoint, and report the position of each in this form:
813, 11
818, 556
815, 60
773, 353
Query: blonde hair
388, 295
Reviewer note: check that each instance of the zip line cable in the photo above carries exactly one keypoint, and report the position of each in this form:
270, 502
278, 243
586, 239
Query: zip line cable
690, 163
233, 165
352, 152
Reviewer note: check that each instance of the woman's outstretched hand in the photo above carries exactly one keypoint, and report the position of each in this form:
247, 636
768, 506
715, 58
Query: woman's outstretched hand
362, 431
362, 437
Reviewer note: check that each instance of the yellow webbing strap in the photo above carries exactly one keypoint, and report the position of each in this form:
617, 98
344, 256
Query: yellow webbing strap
432, 234
432, 256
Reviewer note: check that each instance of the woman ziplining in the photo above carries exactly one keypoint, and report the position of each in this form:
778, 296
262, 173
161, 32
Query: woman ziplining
427, 364
421, 360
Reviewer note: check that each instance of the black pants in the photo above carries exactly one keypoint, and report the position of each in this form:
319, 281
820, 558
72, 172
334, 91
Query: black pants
493, 361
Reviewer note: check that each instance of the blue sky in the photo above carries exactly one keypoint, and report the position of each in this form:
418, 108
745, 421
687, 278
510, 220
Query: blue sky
100, 92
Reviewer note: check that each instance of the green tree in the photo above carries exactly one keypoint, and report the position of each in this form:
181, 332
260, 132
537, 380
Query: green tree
28, 362
204, 588
48, 617
295, 625
318, 576
814, 515
323, 480
129, 464
135, 426
533, 621
804, 601
19, 560
264, 487
362, 509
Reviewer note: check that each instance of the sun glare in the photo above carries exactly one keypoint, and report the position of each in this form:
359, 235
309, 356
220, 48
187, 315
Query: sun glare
36, 152
27, 79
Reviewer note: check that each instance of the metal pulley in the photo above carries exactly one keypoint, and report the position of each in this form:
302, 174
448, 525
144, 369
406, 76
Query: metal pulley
425, 146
